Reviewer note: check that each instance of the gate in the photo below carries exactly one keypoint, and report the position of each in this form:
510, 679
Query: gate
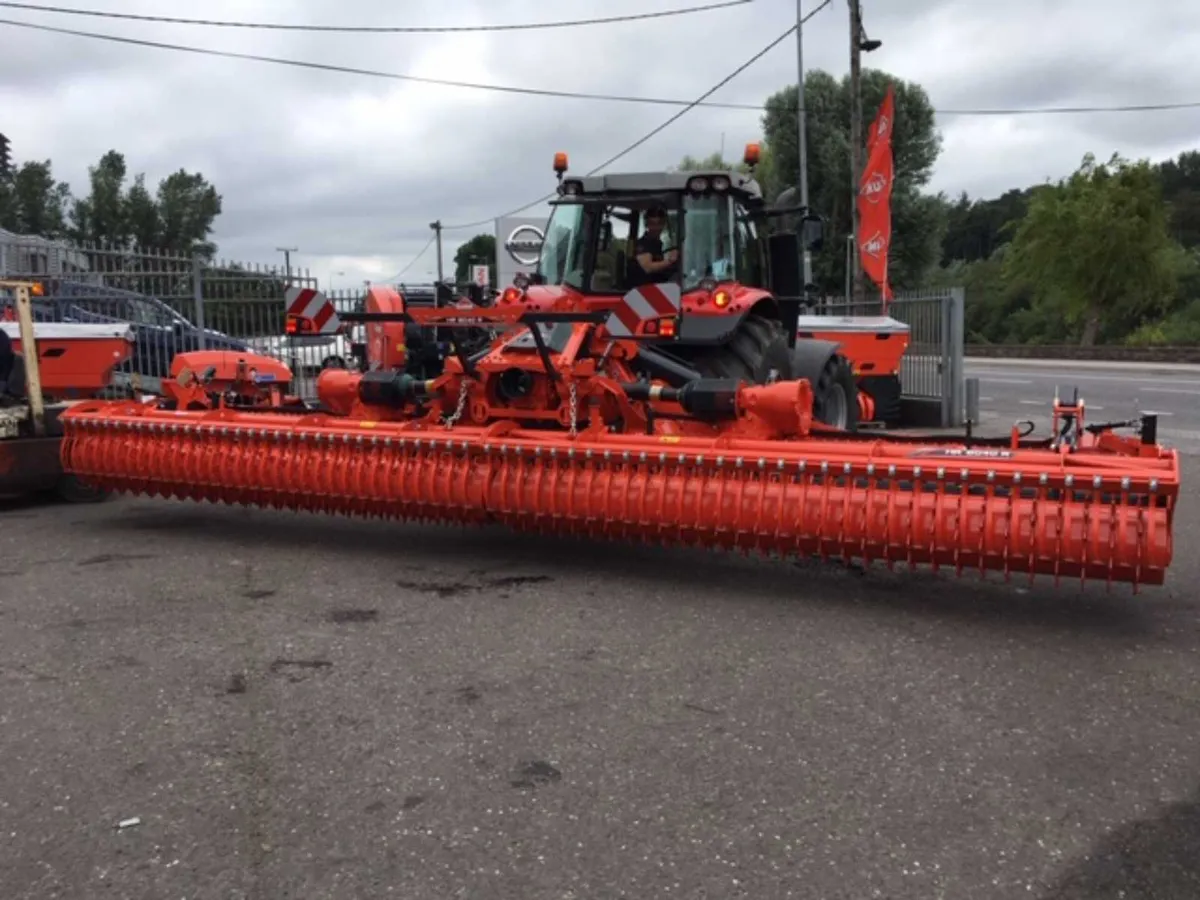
931, 372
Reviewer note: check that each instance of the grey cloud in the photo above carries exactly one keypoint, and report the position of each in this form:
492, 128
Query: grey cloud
295, 167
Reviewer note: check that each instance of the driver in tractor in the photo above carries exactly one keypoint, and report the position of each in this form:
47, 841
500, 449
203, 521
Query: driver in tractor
656, 265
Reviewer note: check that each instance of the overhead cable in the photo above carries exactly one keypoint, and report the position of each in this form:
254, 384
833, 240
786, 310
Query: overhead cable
629, 149
567, 95
377, 29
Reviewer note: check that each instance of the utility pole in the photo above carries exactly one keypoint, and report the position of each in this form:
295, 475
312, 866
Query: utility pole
437, 230
287, 260
802, 132
6, 166
856, 140
859, 44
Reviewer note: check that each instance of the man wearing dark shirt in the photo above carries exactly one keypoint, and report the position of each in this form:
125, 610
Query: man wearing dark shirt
657, 266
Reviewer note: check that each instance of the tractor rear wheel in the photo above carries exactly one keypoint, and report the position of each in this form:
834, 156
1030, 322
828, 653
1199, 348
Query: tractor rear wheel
758, 353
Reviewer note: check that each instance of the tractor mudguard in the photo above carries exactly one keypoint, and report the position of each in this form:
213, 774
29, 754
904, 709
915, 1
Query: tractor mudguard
809, 357
702, 331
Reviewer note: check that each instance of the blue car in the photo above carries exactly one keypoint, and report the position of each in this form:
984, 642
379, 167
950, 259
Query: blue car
160, 332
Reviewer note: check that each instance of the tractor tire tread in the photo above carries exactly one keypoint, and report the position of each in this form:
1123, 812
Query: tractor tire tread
748, 354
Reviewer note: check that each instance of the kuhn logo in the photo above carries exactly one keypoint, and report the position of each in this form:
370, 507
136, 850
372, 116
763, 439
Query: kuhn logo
524, 245
882, 128
875, 187
875, 245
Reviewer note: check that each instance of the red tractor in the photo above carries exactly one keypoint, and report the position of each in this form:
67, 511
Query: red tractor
736, 262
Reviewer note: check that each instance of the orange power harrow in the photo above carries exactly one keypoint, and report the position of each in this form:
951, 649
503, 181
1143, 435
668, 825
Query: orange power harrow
550, 431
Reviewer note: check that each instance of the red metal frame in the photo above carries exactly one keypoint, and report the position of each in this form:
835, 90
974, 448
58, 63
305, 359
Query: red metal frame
584, 448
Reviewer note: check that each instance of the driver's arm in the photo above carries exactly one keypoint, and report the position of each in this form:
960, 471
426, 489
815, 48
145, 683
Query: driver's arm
649, 264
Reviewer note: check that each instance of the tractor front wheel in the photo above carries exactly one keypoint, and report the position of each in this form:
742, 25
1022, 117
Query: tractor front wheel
834, 387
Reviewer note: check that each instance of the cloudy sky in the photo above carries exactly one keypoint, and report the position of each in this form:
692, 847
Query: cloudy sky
352, 169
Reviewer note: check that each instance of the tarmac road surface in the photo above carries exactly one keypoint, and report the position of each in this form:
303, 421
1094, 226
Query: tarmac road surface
1024, 389
303, 707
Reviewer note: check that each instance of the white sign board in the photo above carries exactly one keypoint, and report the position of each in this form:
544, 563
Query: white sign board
480, 275
518, 244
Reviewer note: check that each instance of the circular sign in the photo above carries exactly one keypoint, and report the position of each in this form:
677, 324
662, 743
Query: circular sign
524, 245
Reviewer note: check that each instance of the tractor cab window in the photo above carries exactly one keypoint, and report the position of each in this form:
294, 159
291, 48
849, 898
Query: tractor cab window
614, 249
709, 246
563, 251
748, 250
616, 268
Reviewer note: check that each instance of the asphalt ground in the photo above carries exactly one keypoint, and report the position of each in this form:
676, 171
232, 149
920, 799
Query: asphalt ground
302, 707
1024, 389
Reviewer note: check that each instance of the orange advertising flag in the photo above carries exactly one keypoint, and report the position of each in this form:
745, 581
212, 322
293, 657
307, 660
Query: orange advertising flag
874, 198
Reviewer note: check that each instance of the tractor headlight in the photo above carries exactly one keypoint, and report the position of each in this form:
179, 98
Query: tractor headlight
720, 183
697, 185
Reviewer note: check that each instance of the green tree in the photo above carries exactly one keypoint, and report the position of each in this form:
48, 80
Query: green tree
178, 218
712, 161
475, 252
1181, 190
33, 202
1097, 243
975, 229
918, 220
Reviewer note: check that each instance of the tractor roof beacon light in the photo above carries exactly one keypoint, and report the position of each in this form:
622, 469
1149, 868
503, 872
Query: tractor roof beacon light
752, 155
560, 164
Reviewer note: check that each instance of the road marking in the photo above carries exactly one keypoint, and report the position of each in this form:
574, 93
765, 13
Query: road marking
1067, 376
1169, 391
986, 399
990, 380
1033, 402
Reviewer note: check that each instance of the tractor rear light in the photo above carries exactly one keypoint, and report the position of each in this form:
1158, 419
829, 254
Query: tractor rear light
721, 299
298, 324
667, 327
650, 327
510, 295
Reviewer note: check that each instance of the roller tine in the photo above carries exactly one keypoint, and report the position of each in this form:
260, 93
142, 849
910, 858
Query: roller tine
1064, 494
892, 492
964, 494
1119, 511
1014, 488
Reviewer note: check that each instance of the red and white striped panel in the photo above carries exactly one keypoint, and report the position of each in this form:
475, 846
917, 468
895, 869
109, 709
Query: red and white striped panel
650, 301
312, 304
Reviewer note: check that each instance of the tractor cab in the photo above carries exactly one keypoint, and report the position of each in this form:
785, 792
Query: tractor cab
714, 243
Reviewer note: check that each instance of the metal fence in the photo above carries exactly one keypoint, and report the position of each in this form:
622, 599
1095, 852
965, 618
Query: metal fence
932, 368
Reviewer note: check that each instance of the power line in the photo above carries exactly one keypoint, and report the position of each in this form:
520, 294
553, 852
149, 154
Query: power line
379, 29
567, 95
352, 70
672, 120
412, 262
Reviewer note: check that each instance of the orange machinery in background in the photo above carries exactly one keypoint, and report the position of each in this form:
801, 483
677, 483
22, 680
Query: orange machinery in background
46, 367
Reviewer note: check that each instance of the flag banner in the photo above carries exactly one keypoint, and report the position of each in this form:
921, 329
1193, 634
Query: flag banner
874, 198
